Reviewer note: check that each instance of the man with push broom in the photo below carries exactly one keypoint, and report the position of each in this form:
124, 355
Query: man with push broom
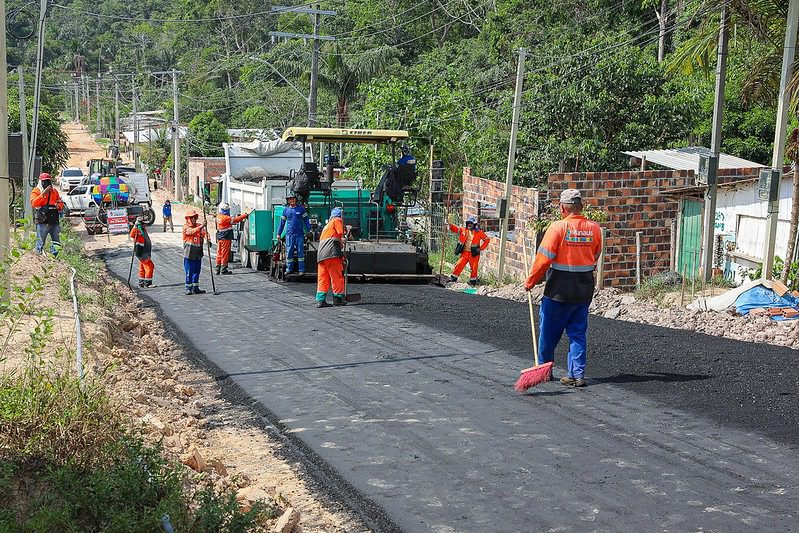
567, 257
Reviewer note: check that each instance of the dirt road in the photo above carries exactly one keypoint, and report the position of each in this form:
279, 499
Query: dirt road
81, 145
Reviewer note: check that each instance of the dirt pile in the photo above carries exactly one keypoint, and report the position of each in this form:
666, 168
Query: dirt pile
614, 304
179, 404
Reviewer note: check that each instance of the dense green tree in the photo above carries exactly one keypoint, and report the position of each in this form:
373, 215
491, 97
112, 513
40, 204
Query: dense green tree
206, 135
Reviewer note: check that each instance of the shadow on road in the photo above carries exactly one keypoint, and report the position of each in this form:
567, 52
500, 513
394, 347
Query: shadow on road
664, 377
338, 366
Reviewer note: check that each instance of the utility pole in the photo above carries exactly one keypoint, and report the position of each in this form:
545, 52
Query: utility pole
176, 137
135, 125
77, 100
23, 128
514, 129
778, 155
97, 101
312, 98
5, 216
715, 142
116, 112
85, 80
315, 38
37, 91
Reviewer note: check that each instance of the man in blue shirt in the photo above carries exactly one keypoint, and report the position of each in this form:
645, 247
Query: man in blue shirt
295, 223
407, 158
167, 213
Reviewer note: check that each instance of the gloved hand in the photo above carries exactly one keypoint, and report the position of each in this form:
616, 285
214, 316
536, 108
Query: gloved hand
282, 238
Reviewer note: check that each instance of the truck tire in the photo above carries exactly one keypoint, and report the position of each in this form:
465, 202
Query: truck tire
149, 216
244, 254
257, 261
90, 230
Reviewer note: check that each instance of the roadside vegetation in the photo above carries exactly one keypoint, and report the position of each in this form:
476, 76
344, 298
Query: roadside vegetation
602, 76
68, 460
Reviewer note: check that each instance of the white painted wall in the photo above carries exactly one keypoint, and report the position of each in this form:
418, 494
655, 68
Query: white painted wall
741, 216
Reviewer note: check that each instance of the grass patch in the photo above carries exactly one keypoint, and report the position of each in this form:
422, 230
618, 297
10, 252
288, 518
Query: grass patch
68, 464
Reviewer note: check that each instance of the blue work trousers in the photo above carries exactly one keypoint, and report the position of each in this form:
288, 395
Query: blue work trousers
192, 268
54, 231
295, 245
557, 317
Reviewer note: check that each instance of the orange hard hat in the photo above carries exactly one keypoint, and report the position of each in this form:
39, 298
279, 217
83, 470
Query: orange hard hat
191, 213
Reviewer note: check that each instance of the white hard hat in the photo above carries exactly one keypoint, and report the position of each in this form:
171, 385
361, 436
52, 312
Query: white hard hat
224, 205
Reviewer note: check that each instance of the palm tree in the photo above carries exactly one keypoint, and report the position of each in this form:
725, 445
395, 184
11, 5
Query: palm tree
343, 73
764, 21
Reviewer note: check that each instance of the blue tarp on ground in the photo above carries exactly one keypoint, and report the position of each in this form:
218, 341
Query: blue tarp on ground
761, 296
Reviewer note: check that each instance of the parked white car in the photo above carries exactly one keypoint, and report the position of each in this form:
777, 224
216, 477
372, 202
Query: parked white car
70, 177
77, 200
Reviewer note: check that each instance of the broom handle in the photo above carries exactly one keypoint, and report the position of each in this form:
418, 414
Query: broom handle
530, 306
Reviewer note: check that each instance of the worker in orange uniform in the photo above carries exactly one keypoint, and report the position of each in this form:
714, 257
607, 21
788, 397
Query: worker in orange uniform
143, 249
224, 237
471, 241
193, 238
567, 256
47, 207
330, 261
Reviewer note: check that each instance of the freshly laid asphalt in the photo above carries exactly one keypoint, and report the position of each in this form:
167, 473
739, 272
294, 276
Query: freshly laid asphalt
403, 408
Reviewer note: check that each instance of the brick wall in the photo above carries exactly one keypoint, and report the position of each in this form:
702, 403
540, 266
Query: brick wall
524, 208
634, 203
205, 168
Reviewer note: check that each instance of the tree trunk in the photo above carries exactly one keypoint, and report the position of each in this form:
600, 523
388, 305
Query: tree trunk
794, 222
662, 19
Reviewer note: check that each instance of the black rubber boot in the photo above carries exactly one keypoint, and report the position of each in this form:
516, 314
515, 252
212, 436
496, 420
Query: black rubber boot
218, 269
198, 290
338, 300
225, 270
453, 279
323, 303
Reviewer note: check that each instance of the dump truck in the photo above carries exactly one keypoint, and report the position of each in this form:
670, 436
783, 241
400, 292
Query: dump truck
380, 243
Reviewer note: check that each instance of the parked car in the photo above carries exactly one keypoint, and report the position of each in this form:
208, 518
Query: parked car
78, 200
70, 178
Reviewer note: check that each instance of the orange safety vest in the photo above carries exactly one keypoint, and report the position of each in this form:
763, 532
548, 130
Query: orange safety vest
330, 240
53, 197
568, 252
479, 237
193, 236
224, 226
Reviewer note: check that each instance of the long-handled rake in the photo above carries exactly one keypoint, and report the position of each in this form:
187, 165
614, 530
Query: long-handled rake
538, 373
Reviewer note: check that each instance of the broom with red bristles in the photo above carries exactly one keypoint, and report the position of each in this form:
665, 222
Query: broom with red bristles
538, 373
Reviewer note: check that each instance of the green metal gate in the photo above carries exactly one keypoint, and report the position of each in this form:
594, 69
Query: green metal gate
690, 238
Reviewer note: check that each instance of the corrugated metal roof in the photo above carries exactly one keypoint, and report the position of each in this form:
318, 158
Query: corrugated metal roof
688, 158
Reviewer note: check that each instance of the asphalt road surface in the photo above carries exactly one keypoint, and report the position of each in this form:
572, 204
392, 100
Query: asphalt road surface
402, 406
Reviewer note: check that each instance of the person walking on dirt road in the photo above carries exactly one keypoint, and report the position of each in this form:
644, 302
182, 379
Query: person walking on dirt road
194, 235
330, 259
143, 249
224, 237
471, 241
47, 207
166, 211
567, 257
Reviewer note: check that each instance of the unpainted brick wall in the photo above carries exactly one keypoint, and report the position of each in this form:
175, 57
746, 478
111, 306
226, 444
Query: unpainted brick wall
205, 168
635, 202
523, 207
